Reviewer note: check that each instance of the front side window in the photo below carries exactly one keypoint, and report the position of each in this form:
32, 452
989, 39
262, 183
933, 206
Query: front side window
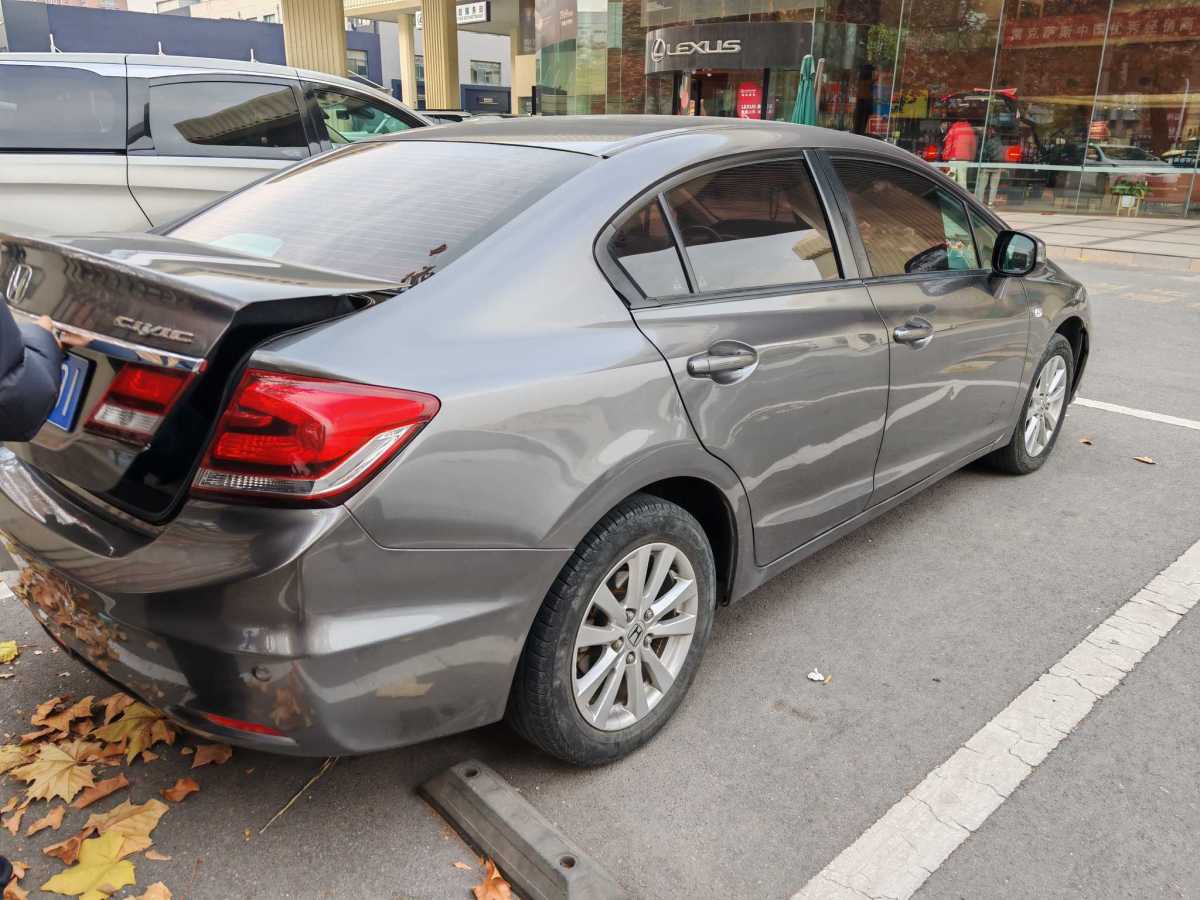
644, 248
756, 225
226, 118
483, 72
985, 240
352, 117
61, 108
908, 224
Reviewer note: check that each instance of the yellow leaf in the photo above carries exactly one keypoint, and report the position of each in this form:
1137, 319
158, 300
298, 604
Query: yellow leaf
493, 886
141, 726
156, 891
8, 651
58, 770
11, 756
114, 704
99, 872
52, 819
127, 820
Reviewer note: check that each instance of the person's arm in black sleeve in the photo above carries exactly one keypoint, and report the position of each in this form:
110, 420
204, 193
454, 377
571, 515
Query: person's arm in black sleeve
30, 370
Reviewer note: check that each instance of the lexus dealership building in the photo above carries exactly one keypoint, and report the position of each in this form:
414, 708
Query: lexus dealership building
1066, 105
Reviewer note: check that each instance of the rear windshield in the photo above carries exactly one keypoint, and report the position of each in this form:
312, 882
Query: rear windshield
397, 211
62, 108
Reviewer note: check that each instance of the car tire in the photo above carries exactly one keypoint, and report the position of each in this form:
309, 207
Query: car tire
1049, 389
644, 534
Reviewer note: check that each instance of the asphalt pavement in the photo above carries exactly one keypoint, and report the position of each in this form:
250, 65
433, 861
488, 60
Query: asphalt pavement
930, 620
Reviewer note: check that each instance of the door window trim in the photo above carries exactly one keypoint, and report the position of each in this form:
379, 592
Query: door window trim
922, 170
631, 292
140, 140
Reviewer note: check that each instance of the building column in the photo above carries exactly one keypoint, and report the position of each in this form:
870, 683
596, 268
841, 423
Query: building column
408, 60
440, 36
314, 35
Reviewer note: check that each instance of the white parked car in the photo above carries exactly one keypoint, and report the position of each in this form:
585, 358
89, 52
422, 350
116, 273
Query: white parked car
124, 142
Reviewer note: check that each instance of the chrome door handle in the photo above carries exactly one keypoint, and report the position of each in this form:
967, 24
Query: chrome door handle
723, 362
915, 331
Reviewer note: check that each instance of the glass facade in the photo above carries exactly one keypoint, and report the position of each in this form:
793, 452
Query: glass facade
1088, 106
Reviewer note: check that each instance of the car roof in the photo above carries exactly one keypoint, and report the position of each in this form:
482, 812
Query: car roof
608, 135
227, 66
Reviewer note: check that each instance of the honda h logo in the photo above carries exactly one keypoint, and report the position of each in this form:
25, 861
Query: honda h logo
18, 283
660, 49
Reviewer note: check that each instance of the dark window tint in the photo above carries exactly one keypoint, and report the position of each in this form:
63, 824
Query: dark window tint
394, 210
646, 251
985, 240
350, 117
754, 226
908, 224
226, 118
58, 108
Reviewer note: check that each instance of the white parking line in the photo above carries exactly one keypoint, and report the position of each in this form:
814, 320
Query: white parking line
1139, 413
894, 856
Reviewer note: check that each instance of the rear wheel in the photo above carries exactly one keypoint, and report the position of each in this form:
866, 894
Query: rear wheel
1042, 416
620, 635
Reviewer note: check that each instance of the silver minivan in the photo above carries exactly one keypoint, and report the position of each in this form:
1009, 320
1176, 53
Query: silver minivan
124, 142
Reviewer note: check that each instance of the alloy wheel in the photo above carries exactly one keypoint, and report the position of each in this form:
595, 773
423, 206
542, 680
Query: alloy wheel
1046, 404
634, 637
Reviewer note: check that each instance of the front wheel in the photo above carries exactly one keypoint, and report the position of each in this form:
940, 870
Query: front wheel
620, 635
1042, 416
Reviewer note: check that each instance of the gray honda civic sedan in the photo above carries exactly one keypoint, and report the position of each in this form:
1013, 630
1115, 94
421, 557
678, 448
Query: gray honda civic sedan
485, 422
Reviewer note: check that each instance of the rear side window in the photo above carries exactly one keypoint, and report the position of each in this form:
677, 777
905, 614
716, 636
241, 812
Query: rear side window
755, 225
908, 224
350, 117
60, 108
394, 210
226, 118
646, 251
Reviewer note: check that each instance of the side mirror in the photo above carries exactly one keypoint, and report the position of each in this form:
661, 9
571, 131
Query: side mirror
1015, 253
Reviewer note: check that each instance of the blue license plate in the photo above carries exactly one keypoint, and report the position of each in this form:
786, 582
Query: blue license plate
75, 372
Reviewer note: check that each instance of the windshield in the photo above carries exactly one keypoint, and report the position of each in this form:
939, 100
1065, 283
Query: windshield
394, 210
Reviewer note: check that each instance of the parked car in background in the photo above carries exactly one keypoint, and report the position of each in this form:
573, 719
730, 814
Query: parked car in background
115, 142
335, 483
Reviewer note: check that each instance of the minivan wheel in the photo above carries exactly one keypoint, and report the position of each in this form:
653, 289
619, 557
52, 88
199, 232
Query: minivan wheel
619, 637
1042, 416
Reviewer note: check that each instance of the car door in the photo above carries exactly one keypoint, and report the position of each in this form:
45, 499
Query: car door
777, 351
62, 147
342, 116
197, 137
958, 332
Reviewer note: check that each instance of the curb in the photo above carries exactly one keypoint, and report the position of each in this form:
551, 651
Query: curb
1124, 258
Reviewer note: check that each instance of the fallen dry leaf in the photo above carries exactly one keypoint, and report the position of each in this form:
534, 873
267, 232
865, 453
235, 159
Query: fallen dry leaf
134, 823
6, 674
52, 819
8, 651
13, 823
30, 737
157, 857
464, 866
183, 787
58, 770
141, 726
156, 891
67, 851
1086, 440
47, 709
493, 886
100, 790
218, 754
62, 721
246, 833
84, 727
19, 869
148, 757
13, 755
99, 872
186, 751
13, 891
1145, 459
115, 704
9, 805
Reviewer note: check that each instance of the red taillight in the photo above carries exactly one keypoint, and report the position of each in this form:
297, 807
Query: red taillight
303, 438
239, 725
931, 152
1012, 153
137, 401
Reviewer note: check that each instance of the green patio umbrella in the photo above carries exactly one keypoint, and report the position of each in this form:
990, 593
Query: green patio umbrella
804, 111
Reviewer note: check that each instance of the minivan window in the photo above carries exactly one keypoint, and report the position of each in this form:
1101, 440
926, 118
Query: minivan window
60, 108
394, 210
645, 249
908, 224
350, 117
226, 118
754, 225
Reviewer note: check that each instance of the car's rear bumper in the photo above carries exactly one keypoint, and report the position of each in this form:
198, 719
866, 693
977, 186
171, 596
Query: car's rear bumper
292, 619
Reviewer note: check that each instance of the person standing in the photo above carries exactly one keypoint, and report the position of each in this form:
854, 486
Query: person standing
31, 360
988, 182
959, 149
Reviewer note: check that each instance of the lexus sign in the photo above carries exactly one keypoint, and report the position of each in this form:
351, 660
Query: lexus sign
732, 45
